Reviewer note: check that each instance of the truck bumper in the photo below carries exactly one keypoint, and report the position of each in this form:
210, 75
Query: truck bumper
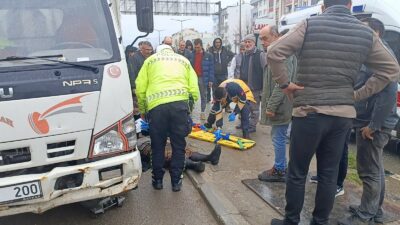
94, 185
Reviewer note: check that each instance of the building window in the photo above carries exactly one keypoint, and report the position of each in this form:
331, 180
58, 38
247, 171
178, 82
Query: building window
314, 2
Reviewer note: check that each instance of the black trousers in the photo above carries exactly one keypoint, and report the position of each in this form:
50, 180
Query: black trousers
344, 161
324, 136
169, 120
219, 78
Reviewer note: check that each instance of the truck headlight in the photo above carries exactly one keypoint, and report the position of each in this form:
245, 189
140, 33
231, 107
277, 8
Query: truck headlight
108, 143
129, 130
118, 138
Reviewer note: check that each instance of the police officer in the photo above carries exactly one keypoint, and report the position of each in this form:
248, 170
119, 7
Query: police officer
163, 88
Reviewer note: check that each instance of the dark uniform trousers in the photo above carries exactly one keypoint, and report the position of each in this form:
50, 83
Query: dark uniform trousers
169, 120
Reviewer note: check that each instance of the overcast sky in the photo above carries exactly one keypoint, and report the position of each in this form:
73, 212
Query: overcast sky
169, 26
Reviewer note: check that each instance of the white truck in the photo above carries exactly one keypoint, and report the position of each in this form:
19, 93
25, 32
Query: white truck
67, 132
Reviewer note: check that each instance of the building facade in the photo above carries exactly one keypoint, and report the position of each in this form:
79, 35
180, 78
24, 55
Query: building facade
275, 9
235, 24
191, 34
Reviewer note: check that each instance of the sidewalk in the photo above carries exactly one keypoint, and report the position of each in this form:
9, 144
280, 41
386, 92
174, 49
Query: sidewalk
242, 206
221, 186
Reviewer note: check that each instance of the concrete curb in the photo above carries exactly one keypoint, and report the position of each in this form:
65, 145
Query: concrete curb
225, 212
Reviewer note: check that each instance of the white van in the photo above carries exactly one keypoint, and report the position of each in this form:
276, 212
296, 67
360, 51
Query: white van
387, 11
67, 132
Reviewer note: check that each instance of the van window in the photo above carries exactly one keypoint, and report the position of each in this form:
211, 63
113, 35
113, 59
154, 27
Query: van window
393, 39
75, 29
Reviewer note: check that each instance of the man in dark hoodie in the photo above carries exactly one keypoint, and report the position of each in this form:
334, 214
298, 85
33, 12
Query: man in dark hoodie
222, 57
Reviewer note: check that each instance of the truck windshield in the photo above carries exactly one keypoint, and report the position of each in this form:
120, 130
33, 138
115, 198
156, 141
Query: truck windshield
75, 29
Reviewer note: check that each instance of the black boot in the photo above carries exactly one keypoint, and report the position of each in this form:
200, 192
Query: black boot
157, 183
196, 166
176, 185
198, 157
215, 154
213, 157
246, 134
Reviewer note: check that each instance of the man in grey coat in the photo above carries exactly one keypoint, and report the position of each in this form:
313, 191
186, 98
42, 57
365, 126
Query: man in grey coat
276, 109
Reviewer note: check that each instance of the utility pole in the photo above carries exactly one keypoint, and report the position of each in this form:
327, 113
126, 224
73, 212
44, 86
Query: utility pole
240, 20
181, 25
159, 38
219, 18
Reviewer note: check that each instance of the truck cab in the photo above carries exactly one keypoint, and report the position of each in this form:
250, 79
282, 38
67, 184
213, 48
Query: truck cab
67, 132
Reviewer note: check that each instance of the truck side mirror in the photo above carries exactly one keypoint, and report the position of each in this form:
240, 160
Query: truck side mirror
144, 15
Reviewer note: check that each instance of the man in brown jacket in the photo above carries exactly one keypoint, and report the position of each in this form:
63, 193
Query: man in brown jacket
331, 47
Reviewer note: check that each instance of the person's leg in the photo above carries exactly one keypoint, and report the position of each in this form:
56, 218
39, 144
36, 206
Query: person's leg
278, 172
209, 93
370, 171
328, 157
213, 157
203, 94
305, 137
278, 134
255, 111
379, 215
158, 126
344, 162
215, 116
244, 118
288, 131
178, 130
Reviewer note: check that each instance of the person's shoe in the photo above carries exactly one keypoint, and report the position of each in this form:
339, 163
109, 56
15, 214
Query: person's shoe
354, 220
272, 175
215, 154
213, 157
246, 135
339, 191
176, 186
202, 116
239, 127
199, 167
314, 179
377, 219
157, 183
277, 222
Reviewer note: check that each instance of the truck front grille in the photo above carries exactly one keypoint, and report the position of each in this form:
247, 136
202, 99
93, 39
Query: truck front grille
14, 156
60, 149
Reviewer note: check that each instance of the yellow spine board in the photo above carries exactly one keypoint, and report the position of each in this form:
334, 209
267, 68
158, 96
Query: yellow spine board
233, 142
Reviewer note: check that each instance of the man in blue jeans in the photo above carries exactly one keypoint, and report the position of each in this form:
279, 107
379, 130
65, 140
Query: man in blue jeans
277, 108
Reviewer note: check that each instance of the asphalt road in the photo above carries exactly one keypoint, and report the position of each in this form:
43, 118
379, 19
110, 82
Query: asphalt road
144, 206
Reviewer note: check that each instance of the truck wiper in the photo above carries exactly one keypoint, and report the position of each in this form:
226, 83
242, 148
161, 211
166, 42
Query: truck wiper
46, 58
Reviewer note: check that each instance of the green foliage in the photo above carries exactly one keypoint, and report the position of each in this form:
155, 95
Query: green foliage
352, 174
